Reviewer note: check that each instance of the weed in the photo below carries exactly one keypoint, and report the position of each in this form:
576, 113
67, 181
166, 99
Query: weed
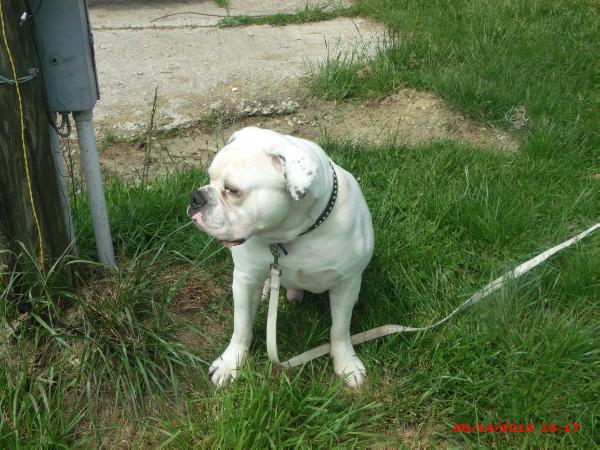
148, 142
222, 3
214, 118
310, 13
109, 138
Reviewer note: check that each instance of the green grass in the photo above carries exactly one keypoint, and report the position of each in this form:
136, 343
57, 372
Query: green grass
277, 409
528, 354
484, 58
107, 362
113, 342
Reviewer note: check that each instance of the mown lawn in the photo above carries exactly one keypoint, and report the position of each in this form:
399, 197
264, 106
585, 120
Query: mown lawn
122, 361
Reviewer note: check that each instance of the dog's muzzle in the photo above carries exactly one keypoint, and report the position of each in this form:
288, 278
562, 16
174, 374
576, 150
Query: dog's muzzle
198, 200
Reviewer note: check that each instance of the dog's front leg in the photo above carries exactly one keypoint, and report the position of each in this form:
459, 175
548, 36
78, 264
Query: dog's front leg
246, 296
345, 362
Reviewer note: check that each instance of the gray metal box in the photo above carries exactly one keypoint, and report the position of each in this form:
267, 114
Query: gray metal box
65, 46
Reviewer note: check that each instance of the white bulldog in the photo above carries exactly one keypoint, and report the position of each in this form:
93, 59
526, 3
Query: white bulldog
266, 188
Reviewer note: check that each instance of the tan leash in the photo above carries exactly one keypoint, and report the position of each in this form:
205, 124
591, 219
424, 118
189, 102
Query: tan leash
386, 330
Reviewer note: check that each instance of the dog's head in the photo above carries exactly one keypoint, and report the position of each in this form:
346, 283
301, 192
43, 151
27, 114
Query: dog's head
255, 182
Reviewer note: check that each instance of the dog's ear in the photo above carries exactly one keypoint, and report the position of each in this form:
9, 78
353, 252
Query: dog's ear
300, 169
232, 138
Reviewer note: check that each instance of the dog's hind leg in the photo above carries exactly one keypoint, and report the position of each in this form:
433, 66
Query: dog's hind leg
294, 295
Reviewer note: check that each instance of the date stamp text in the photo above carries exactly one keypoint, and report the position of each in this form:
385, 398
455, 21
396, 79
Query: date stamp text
515, 428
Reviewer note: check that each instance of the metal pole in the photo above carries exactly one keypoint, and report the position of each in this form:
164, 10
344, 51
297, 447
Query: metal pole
90, 165
62, 186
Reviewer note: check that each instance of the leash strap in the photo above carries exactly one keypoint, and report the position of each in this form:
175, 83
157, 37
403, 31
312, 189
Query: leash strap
386, 330
272, 316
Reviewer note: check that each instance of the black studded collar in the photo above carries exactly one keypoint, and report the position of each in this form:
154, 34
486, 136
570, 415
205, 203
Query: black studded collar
276, 248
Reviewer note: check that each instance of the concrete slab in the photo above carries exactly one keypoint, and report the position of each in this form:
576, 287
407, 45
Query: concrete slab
193, 66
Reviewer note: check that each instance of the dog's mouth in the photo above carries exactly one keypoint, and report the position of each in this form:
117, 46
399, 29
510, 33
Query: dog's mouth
197, 219
233, 243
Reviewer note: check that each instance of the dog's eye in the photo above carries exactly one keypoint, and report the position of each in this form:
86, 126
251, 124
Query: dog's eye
231, 191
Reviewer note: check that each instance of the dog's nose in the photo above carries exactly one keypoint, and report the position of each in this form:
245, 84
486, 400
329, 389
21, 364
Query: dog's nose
197, 199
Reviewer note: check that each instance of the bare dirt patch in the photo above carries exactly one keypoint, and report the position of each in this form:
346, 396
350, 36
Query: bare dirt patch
407, 117
201, 300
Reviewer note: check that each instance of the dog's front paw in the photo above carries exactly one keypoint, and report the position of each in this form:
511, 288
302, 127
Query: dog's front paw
349, 366
224, 369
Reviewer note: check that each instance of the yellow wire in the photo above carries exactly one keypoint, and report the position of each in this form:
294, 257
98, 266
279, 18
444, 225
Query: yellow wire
22, 116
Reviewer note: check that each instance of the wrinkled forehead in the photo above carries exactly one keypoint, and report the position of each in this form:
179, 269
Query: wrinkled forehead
241, 165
